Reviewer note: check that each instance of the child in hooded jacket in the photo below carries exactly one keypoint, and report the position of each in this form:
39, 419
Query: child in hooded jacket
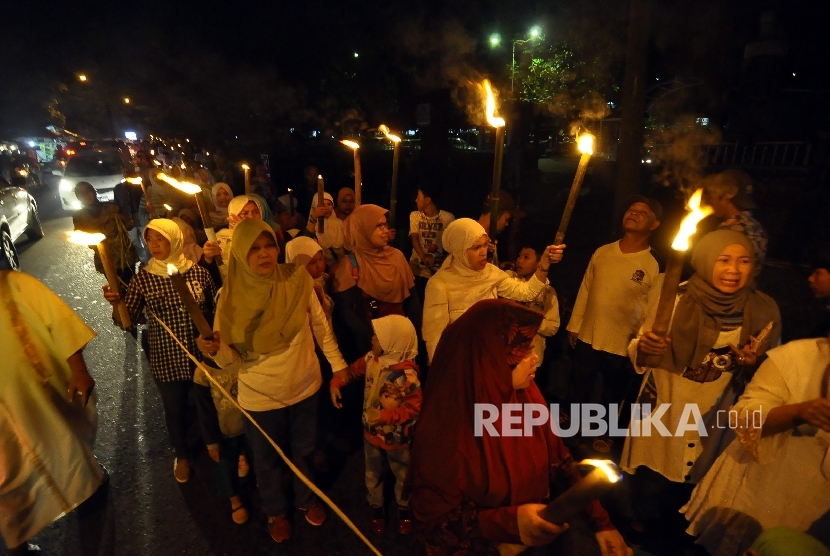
391, 405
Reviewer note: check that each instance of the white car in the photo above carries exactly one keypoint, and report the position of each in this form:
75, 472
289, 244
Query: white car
102, 170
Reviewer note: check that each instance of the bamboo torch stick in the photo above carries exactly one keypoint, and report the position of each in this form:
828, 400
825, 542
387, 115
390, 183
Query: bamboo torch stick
321, 199
671, 280
396, 154
290, 202
498, 123
193, 189
596, 483
150, 208
586, 147
247, 170
189, 302
358, 177
99, 241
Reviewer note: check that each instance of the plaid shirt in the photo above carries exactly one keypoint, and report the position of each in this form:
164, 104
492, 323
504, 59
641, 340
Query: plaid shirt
168, 362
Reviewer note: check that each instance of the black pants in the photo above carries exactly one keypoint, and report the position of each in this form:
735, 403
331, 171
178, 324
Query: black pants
175, 397
620, 381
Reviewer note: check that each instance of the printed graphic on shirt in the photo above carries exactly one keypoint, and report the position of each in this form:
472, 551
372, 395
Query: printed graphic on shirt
395, 387
197, 290
717, 361
638, 276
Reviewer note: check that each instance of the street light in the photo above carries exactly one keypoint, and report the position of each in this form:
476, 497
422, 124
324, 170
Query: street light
126, 100
535, 33
495, 40
82, 77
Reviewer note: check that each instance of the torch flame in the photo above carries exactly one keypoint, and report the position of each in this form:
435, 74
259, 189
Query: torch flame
608, 467
246, 167
350, 144
689, 224
84, 238
168, 207
490, 106
586, 144
171, 269
189, 188
134, 181
385, 130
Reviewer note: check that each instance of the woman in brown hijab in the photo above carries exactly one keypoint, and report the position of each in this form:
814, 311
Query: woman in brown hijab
374, 280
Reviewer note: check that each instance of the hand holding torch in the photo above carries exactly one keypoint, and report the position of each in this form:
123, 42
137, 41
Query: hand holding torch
99, 241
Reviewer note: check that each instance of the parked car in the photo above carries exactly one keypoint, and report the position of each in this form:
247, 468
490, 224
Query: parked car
103, 170
18, 216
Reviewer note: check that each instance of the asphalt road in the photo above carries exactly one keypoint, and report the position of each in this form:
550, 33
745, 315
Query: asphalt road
144, 511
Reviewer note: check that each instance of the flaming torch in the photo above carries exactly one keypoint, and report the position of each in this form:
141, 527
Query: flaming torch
180, 285
674, 266
193, 189
393, 196
150, 208
358, 175
321, 201
247, 170
586, 147
97, 240
498, 123
589, 488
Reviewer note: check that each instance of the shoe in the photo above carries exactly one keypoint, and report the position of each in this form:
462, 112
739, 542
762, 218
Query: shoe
316, 514
378, 520
404, 521
239, 515
279, 528
242, 467
181, 469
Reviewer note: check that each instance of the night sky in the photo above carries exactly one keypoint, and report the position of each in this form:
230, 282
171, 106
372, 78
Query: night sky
220, 69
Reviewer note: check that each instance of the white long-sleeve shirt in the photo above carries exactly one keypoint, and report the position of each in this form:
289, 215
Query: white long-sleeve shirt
612, 299
448, 296
277, 380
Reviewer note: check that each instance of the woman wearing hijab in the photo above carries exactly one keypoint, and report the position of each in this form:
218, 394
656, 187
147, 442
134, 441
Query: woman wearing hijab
190, 248
701, 373
471, 492
239, 208
306, 252
169, 364
331, 237
777, 471
374, 280
466, 278
262, 324
221, 195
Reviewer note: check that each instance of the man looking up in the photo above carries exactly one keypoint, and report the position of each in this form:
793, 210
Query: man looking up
611, 304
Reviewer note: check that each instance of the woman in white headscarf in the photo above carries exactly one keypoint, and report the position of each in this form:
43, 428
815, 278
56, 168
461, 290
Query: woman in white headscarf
170, 366
221, 195
466, 278
239, 208
308, 253
191, 249
331, 237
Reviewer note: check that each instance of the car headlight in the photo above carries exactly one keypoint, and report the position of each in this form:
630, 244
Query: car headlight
76, 205
65, 185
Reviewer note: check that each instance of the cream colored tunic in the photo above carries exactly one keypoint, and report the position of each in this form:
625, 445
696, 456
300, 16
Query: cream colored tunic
782, 480
46, 462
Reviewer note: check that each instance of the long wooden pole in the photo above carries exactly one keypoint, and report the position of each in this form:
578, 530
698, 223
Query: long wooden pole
321, 199
665, 307
496, 191
112, 280
569, 207
189, 302
210, 231
393, 194
358, 179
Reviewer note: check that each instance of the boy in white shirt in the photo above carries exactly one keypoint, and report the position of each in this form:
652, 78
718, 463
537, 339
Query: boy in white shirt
426, 226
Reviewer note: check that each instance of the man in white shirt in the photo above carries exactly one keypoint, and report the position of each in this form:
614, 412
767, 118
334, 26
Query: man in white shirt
426, 226
611, 305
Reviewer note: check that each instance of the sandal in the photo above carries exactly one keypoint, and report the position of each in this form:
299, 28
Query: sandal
239, 514
242, 467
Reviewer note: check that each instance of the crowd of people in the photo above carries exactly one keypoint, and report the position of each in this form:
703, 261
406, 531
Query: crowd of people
306, 297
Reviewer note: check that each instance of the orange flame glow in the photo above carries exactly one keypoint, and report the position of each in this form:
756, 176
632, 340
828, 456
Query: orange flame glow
350, 144
490, 106
134, 181
586, 144
171, 269
385, 130
84, 238
183, 186
690, 222
607, 466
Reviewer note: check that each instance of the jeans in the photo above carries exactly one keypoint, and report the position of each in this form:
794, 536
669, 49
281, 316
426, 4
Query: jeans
377, 459
291, 427
175, 396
